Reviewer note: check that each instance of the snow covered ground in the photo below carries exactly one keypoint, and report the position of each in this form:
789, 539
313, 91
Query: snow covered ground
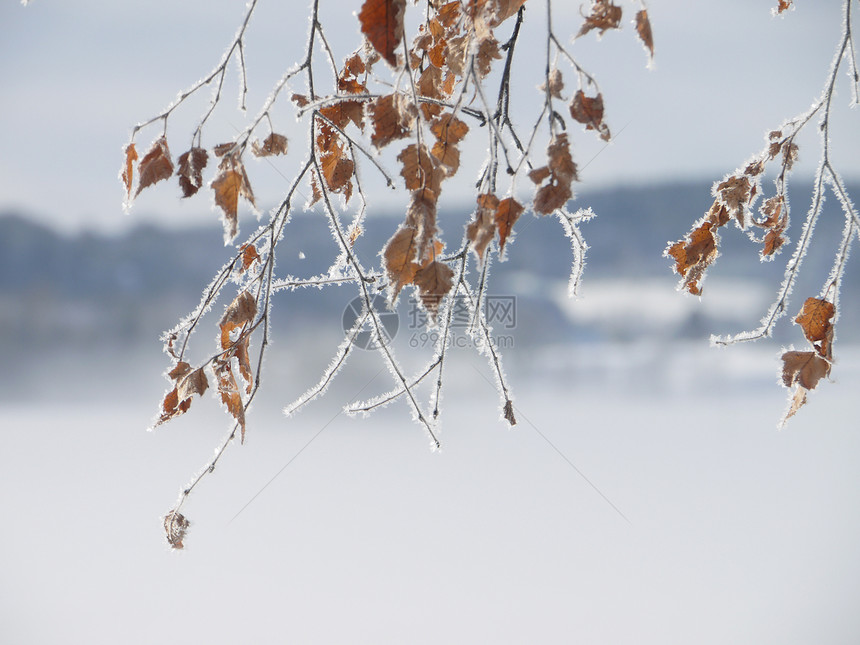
645, 496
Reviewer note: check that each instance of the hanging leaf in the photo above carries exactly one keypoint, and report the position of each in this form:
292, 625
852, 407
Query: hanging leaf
230, 395
507, 213
693, 256
382, 24
434, 281
399, 256
391, 119
231, 183
482, 229
128, 168
589, 110
175, 527
803, 370
604, 16
274, 144
238, 313
643, 28
190, 170
155, 165
815, 319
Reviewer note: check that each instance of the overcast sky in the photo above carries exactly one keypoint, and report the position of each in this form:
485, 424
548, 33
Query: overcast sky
78, 74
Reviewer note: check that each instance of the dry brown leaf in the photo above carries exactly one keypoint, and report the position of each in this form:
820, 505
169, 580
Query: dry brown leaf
230, 395
561, 172
238, 313
188, 383
555, 85
488, 51
421, 215
337, 169
399, 256
643, 28
249, 256
784, 5
420, 169
434, 281
128, 168
430, 86
274, 144
482, 229
604, 16
693, 255
155, 165
803, 370
391, 120
589, 110
231, 183
815, 319
507, 213
190, 170
505, 9
175, 527
382, 24
735, 193
344, 111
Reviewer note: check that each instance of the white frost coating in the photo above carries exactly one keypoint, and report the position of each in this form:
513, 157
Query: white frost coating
577, 243
331, 371
301, 255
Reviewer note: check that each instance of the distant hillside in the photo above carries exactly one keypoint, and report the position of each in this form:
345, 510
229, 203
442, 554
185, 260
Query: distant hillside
94, 289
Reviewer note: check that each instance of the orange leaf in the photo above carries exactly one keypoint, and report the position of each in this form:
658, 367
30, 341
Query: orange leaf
155, 165
190, 171
229, 391
382, 23
231, 182
249, 256
128, 168
784, 5
399, 256
507, 213
694, 255
815, 321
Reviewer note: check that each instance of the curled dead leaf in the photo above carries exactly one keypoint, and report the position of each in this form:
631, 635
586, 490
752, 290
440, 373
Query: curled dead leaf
190, 170
175, 527
274, 144
155, 165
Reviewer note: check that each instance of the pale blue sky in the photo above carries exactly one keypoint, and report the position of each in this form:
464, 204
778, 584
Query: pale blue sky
78, 74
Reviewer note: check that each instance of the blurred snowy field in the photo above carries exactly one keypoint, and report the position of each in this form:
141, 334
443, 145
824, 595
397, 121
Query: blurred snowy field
646, 496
